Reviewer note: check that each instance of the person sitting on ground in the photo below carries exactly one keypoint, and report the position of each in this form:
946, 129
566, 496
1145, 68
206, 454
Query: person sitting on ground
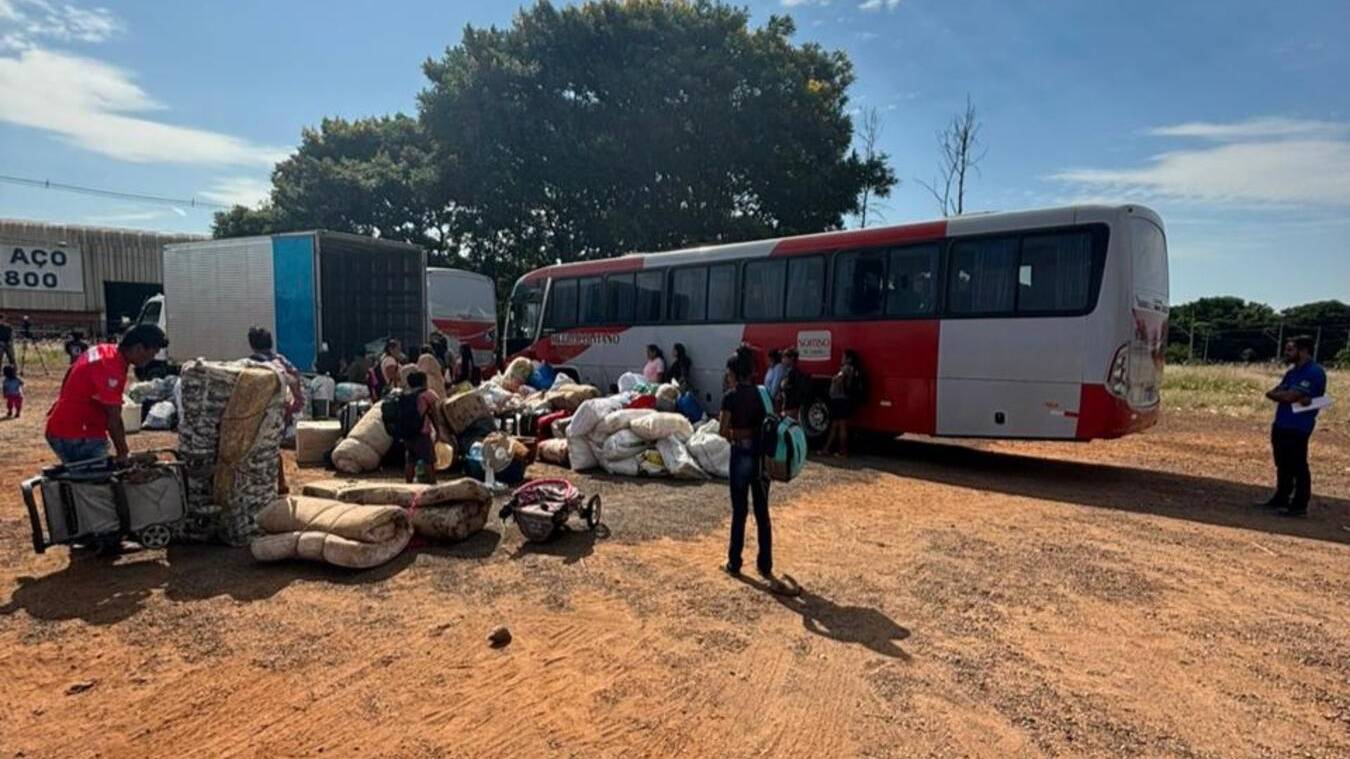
1291, 431
264, 352
845, 390
655, 368
741, 420
75, 346
794, 388
13, 391
681, 369
88, 409
468, 370
415, 429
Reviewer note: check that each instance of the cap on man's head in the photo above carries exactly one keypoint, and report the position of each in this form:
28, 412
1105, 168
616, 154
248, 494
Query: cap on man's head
147, 335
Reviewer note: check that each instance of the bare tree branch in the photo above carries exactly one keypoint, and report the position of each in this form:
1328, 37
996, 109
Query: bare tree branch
959, 157
870, 207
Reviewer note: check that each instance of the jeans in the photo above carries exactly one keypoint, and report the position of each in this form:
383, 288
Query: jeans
7, 350
70, 450
1291, 467
747, 482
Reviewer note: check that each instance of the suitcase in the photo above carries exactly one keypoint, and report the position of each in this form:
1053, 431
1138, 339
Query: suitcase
350, 414
80, 503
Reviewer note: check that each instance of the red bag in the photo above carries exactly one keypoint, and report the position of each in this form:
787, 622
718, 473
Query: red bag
543, 427
643, 401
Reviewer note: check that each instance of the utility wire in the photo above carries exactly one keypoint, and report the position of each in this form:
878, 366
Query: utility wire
47, 184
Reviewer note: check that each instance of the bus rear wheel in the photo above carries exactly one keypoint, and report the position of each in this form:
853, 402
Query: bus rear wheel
816, 418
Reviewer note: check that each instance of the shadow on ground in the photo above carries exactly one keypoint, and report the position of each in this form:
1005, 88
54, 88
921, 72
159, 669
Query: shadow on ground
1208, 500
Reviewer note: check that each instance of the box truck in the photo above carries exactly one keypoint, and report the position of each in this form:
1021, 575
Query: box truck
310, 289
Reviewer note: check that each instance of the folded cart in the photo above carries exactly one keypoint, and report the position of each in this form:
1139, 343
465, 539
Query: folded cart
91, 501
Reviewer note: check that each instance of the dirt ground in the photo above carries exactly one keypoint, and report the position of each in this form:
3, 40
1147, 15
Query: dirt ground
989, 599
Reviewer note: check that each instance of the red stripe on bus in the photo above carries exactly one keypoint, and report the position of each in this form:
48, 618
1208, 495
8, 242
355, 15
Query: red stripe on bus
861, 238
1102, 415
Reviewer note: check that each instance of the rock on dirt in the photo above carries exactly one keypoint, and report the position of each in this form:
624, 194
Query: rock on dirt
499, 637
80, 687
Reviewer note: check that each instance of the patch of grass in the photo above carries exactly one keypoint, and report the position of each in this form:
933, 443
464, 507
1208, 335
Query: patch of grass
1238, 390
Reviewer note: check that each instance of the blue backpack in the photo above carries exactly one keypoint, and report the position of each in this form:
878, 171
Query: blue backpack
783, 442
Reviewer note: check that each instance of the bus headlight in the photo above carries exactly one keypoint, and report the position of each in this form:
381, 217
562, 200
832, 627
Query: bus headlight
1118, 379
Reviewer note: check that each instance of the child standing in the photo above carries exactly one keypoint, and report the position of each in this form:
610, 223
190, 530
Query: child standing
415, 429
13, 389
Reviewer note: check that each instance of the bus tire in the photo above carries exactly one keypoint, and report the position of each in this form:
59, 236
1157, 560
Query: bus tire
816, 418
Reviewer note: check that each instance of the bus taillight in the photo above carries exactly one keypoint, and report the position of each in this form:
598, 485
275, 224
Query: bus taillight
1118, 379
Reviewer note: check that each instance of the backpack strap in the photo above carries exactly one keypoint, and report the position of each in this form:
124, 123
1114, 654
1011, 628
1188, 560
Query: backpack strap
768, 402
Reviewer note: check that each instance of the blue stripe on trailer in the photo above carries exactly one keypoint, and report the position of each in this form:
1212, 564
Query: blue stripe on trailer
293, 281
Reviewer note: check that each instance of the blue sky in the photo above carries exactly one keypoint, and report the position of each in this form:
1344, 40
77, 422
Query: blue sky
1231, 119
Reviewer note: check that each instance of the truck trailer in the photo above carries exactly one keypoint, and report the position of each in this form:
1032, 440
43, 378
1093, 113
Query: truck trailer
311, 289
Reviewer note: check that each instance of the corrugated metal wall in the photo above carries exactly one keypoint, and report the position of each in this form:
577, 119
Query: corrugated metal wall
109, 255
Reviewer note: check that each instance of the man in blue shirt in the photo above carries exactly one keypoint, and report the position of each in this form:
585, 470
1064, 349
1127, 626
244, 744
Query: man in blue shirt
1289, 435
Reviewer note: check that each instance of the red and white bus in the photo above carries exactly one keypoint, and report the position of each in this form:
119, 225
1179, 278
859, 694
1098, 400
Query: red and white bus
462, 306
1045, 324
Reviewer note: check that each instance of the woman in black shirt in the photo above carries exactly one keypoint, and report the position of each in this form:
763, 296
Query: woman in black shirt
741, 419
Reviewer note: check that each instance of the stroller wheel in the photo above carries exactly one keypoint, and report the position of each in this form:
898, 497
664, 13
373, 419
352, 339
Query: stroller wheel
592, 512
154, 536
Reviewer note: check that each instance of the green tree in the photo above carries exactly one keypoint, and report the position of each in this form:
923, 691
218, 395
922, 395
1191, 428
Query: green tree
242, 221
599, 129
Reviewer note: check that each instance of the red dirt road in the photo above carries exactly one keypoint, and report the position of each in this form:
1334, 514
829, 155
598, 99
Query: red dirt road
1113, 598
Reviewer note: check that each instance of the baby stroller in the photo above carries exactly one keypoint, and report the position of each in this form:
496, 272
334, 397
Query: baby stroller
541, 508
91, 502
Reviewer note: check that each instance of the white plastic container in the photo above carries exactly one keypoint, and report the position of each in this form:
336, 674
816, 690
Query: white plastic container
131, 417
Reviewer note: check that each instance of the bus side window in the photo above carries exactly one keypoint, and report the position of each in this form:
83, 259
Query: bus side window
806, 287
621, 298
983, 276
590, 301
562, 305
689, 294
911, 289
650, 286
764, 283
1055, 272
722, 293
859, 283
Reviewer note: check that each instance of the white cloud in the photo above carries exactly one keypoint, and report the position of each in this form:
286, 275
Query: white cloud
244, 191
91, 104
129, 217
1260, 162
876, 5
1253, 128
24, 23
800, 3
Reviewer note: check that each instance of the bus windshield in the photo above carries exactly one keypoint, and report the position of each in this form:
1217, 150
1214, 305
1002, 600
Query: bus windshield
522, 320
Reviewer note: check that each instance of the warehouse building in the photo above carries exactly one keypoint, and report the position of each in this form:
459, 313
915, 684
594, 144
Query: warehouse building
65, 277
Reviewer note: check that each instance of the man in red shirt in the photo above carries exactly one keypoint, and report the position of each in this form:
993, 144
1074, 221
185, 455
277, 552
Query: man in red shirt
89, 409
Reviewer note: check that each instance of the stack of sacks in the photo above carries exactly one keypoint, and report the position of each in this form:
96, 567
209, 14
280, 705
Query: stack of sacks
341, 534
230, 439
667, 396
365, 445
571, 397
446, 511
588, 416
637, 441
711, 450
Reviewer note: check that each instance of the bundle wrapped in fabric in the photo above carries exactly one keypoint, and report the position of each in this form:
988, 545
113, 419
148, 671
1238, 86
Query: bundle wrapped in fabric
342, 534
617, 420
580, 454
571, 397
678, 461
553, 451
445, 511
365, 445
711, 450
590, 413
159, 389
623, 444
661, 425
230, 438
463, 409
667, 395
